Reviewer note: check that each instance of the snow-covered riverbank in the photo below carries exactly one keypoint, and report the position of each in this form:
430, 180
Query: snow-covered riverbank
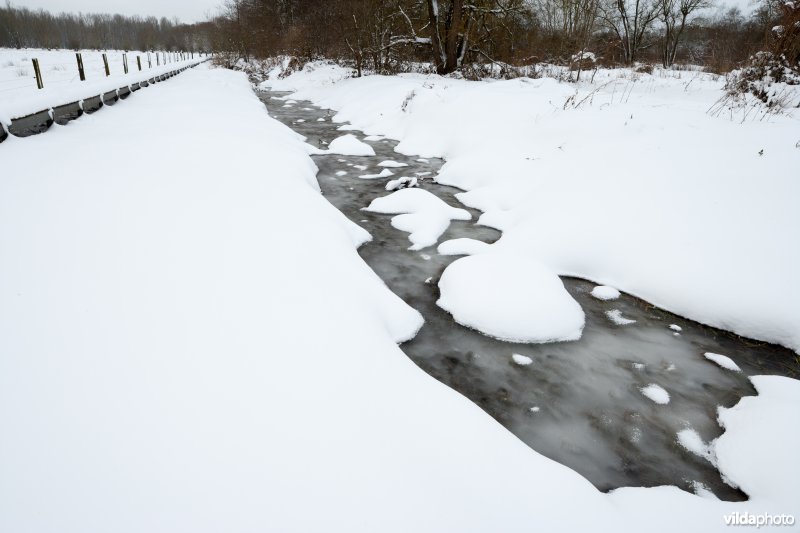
627, 182
19, 95
175, 356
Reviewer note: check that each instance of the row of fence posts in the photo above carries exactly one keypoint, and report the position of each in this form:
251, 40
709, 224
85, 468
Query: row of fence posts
161, 57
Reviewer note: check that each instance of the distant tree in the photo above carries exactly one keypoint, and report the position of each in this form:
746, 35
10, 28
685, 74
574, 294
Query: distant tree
630, 21
674, 15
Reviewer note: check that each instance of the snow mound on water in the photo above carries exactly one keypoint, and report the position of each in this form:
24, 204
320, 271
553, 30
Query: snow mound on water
511, 298
604, 292
349, 145
392, 164
522, 360
423, 215
462, 246
385, 173
656, 393
402, 183
723, 360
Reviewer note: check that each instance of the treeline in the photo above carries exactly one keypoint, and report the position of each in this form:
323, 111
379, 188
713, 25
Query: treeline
384, 35
26, 28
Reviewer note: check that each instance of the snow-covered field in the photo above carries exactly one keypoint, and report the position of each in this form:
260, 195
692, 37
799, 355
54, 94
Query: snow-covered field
19, 95
189, 341
626, 181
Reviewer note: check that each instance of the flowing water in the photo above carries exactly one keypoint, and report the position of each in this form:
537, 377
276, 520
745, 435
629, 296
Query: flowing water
579, 403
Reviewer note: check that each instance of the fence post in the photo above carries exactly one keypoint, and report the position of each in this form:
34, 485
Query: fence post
80, 66
105, 64
149, 61
38, 73
158, 59
125, 62
139, 62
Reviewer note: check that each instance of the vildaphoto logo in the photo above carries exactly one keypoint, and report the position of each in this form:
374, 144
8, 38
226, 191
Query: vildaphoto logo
758, 520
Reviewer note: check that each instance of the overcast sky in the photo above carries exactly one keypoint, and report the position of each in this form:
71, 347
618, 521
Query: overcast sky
185, 10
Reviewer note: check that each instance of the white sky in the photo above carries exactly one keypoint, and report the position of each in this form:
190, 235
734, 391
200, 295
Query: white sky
189, 10
185, 10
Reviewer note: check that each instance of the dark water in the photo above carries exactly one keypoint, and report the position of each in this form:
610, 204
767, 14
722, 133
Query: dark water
578, 403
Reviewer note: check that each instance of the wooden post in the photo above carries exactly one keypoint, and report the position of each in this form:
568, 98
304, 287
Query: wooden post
149, 61
139, 62
105, 64
125, 62
158, 59
39, 82
81, 73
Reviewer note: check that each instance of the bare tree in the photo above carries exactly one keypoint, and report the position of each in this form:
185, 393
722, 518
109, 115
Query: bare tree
458, 28
629, 20
674, 15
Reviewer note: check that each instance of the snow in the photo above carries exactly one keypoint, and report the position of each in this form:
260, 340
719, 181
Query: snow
675, 327
462, 246
192, 343
423, 215
401, 183
510, 298
19, 95
603, 292
341, 172
667, 229
615, 316
392, 164
385, 173
739, 452
522, 360
349, 144
690, 439
656, 393
723, 360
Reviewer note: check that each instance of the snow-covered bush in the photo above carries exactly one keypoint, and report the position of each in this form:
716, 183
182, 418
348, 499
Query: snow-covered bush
773, 77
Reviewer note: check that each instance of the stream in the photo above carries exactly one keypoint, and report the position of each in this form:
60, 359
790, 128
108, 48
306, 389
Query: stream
578, 403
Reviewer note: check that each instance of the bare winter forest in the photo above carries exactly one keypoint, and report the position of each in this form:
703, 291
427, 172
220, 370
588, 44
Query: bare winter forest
388, 36
384, 35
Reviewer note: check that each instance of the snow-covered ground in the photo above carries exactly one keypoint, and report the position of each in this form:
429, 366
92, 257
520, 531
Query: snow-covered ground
626, 181
19, 95
190, 342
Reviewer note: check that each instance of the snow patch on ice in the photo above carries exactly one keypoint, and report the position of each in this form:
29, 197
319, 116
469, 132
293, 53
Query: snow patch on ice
615, 315
656, 393
522, 360
723, 360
